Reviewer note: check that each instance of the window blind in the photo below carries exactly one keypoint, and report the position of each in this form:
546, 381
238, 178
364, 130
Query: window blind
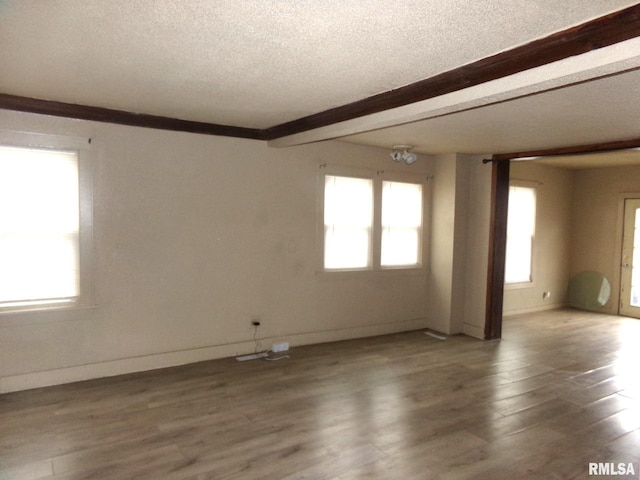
39, 226
401, 223
348, 217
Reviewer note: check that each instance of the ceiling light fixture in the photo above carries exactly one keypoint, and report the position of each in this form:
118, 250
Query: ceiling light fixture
403, 153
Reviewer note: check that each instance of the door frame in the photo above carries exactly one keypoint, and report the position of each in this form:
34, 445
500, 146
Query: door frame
497, 249
617, 288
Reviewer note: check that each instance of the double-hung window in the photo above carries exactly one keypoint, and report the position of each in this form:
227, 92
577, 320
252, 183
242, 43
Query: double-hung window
401, 224
372, 223
44, 228
348, 222
521, 224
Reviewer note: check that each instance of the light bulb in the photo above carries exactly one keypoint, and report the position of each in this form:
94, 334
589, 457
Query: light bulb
409, 158
396, 156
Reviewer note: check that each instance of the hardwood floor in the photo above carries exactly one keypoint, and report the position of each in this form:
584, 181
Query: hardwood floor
560, 390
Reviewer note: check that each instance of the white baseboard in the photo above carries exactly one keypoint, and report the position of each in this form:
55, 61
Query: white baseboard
355, 332
47, 378
59, 376
473, 331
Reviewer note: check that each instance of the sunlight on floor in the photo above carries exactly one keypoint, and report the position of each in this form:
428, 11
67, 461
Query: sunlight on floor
626, 372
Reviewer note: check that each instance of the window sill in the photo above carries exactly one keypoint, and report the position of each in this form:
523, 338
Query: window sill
394, 272
519, 285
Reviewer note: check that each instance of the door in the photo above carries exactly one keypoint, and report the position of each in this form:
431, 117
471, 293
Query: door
630, 264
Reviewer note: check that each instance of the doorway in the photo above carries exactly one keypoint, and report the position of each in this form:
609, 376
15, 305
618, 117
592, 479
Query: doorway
585, 158
630, 261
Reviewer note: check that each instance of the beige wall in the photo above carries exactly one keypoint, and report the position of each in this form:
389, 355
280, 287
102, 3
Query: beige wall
552, 244
194, 236
579, 228
459, 244
442, 234
597, 222
474, 269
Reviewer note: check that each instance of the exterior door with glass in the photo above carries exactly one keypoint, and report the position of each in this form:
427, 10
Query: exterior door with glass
630, 263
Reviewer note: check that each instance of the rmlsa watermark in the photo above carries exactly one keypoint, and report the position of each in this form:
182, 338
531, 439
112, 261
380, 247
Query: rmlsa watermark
612, 469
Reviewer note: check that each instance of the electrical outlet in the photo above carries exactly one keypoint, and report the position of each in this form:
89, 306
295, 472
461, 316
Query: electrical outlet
280, 347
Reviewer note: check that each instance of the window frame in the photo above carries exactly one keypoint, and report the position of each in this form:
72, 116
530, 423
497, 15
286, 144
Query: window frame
377, 177
81, 146
531, 283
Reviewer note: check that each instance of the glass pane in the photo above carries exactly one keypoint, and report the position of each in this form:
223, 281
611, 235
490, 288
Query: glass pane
401, 204
38, 190
401, 224
348, 202
400, 247
348, 215
39, 224
634, 299
346, 248
521, 217
518, 261
636, 262
42, 267
636, 237
521, 221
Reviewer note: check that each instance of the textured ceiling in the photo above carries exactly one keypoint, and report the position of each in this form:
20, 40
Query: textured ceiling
255, 63
260, 63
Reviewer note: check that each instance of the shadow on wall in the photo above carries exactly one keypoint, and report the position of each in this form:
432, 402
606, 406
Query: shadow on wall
589, 291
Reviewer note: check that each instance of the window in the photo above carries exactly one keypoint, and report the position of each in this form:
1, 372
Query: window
521, 222
348, 217
401, 224
41, 259
371, 223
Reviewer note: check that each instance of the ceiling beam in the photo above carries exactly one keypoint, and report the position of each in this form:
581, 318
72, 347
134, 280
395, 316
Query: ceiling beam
574, 150
100, 114
601, 32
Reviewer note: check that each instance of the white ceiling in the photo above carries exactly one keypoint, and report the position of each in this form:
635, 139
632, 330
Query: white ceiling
259, 63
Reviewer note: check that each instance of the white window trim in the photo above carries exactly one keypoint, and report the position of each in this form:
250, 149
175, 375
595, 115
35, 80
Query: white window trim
376, 241
82, 146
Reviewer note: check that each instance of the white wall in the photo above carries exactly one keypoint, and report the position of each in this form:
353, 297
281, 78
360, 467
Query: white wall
194, 236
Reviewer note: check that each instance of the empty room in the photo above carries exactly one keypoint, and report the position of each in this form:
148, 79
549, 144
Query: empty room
319, 239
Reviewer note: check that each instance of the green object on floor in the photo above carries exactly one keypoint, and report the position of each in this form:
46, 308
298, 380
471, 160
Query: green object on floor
589, 291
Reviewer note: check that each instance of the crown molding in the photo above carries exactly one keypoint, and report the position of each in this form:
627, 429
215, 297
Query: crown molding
121, 117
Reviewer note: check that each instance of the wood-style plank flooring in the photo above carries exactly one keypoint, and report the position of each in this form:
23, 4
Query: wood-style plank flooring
561, 389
